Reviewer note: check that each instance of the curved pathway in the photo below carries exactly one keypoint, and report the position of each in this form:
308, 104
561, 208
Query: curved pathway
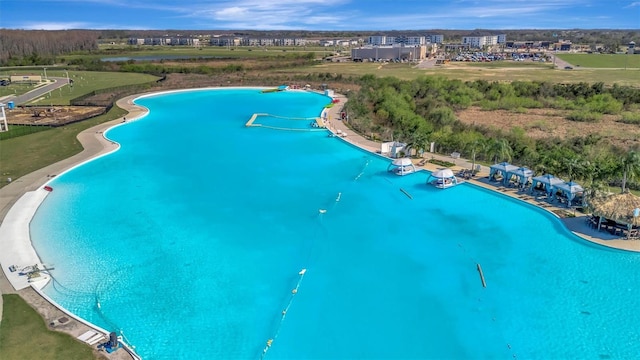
58, 82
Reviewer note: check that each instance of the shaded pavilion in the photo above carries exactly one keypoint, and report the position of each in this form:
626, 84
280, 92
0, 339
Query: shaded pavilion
623, 209
569, 191
442, 179
546, 183
523, 175
501, 169
402, 166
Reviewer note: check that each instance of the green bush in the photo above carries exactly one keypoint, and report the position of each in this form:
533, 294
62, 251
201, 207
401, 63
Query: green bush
604, 104
630, 118
584, 116
510, 103
441, 163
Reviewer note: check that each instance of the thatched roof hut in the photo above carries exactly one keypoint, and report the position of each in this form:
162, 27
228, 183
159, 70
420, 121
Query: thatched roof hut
622, 208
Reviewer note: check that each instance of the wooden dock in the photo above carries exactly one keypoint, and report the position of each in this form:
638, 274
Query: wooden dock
320, 122
253, 118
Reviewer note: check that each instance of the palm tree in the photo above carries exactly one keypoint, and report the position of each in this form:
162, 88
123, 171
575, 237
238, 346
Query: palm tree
630, 166
419, 141
572, 166
478, 146
500, 149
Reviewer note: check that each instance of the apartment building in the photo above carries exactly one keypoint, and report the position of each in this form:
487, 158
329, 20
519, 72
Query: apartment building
387, 52
479, 42
436, 39
187, 41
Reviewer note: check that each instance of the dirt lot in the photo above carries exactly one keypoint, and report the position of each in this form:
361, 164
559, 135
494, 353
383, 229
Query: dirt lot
544, 123
51, 115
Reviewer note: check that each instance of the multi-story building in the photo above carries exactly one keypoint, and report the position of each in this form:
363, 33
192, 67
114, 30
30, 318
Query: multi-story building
562, 45
480, 41
377, 40
436, 39
165, 41
386, 52
409, 40
136, 41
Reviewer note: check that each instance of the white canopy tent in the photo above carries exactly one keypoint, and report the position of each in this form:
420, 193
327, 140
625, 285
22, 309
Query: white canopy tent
442, 178
402, 166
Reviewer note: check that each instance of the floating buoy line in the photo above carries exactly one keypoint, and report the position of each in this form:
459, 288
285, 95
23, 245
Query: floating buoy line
283, 314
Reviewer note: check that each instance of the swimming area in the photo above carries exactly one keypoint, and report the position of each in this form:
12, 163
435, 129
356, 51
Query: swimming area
190, 240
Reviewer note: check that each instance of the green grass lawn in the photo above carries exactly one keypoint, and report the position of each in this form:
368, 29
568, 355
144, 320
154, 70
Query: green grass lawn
15, 89
206, 51
603, 61
21, 155
471, 72
24, 335
83, 83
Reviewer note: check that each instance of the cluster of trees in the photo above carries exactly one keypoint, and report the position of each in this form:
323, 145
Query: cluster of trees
39, 47
422, 111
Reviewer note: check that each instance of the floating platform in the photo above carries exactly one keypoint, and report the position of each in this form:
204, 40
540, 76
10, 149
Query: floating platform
253, 118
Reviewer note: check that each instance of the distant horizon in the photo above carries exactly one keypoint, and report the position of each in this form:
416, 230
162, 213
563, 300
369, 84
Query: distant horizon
383, 31
320, 15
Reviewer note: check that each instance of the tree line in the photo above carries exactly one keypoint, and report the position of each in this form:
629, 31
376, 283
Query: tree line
40, 47
423, 110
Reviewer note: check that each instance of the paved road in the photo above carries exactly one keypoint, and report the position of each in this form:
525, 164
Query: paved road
58, 82
559, 63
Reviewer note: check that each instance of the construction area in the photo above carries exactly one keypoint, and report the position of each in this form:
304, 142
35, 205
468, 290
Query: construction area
51, 115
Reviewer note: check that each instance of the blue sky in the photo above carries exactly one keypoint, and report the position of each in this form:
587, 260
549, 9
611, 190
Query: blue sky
319, 14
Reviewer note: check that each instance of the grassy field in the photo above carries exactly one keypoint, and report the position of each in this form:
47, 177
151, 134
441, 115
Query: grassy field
207, 51
24, 335
470, 72
83, 83
603, 61
22, 155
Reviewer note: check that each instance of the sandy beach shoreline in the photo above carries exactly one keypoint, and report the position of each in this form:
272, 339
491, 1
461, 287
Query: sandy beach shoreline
19, 201
21, 251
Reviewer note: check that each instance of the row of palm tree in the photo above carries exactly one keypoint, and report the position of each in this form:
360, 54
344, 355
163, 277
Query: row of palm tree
592, 174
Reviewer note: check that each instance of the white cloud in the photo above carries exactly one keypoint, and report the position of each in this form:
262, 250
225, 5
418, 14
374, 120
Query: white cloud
54, 26
633, 4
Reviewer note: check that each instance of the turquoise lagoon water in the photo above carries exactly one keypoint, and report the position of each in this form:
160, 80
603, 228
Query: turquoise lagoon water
189, 241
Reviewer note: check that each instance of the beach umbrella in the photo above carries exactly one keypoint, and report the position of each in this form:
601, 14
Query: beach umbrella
622, 208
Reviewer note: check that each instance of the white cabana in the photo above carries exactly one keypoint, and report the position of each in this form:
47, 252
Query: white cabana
392, 149
545, 182
442, 179
402, 166
569, 191
501, 169
522, 174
